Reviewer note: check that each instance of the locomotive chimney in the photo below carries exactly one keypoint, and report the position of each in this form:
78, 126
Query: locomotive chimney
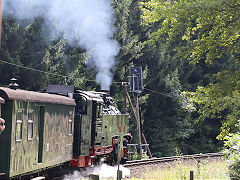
105, 96
13, 84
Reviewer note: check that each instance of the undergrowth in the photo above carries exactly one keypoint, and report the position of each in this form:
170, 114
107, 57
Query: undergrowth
181, 171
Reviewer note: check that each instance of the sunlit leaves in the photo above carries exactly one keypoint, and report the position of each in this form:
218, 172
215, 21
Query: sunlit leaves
220, 100
211, 29
232, 153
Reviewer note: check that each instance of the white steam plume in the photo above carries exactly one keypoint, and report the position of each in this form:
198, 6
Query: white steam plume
88, 24
104, 171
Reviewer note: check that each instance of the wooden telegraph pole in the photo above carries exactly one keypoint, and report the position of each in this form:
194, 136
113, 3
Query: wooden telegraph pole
137, 117
138, 125
136, 86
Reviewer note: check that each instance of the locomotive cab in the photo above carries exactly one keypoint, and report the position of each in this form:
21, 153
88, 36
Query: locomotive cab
82, 131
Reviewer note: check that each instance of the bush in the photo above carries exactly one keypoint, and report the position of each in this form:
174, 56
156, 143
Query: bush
232, 154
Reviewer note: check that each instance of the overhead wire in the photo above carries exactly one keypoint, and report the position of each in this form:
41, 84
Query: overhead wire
158, 92
67, 76
28, 68
59, 75
36, 70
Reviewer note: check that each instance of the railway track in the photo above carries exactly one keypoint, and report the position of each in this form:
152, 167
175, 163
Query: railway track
134, 163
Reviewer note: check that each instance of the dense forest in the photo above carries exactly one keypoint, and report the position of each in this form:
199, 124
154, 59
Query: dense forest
189, 51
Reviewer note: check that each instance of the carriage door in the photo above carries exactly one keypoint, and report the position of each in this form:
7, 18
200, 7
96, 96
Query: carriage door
41, 131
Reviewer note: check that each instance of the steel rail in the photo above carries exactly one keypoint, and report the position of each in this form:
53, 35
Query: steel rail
172, 158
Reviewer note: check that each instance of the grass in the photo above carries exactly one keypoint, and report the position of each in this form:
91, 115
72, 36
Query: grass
181, 170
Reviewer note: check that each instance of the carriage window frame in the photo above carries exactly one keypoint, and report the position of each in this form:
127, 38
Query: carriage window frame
30, 125
82, 105
70, 124
19, 125
99, 110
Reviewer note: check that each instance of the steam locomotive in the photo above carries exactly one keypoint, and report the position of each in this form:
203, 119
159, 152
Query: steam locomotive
62, 126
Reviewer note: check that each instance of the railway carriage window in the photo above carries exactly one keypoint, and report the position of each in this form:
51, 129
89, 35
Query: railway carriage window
82, 105
30, 124
19, 118
99, 107
70, 122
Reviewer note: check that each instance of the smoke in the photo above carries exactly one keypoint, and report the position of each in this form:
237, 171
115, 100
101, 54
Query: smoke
104, 171
86, 24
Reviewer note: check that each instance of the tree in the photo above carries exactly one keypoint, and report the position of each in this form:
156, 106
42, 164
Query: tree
208, 30
220, 100
232, 153
202, 32
131, 50
24, 44
168, 124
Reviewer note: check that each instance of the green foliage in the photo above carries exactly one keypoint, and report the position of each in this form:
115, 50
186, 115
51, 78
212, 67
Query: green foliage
25, 45
22, 46
232, 153
220, 100
127, 19
209, 29
167, 125
196, 31
180, 170
205, 31
130, 45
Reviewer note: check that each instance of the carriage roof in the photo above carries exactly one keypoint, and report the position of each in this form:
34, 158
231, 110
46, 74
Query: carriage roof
11, 94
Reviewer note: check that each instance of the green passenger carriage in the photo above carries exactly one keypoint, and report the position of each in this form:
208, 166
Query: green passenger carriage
39, 131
